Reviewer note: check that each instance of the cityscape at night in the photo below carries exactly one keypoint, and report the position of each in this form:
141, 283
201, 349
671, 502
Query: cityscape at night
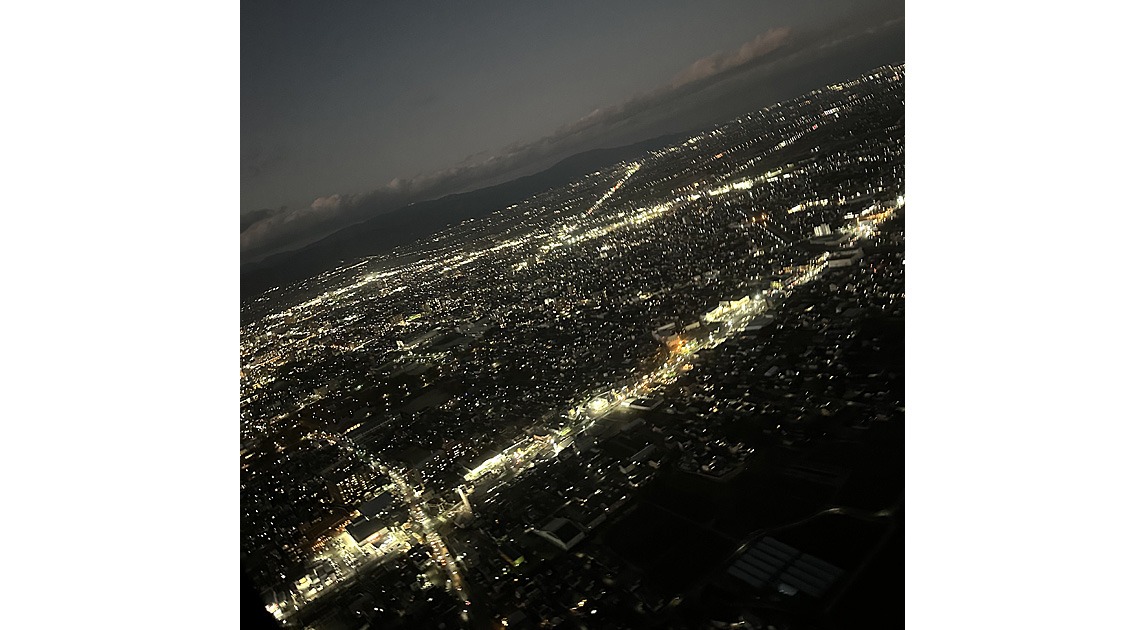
668, 393
582, 315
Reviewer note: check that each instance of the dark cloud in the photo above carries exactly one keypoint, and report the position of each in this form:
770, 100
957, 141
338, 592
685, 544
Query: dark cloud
251, 218
268, 231
720, 62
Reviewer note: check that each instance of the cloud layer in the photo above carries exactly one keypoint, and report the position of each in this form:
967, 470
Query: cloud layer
267, 231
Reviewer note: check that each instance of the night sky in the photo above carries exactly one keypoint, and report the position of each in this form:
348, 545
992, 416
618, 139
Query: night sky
355, 108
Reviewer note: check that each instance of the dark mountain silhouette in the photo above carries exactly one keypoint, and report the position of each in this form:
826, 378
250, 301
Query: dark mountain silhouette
382, 233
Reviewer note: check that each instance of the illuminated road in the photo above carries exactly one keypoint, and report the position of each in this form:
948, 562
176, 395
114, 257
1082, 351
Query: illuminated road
418, 517
440, 551
612, 191
505, 465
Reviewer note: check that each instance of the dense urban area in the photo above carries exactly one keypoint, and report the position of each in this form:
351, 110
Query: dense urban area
667, 394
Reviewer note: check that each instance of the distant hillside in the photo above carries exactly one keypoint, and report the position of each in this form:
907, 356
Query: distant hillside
384, 232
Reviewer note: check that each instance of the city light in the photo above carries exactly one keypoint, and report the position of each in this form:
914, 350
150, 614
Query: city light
573, 347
